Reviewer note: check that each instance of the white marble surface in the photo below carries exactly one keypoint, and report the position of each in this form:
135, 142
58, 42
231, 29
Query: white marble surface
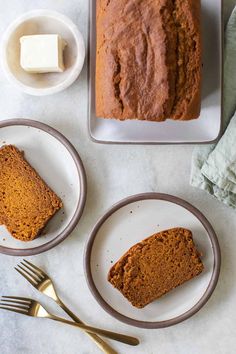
113, 172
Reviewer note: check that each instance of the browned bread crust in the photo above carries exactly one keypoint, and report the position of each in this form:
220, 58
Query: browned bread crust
26, 202
155, 266
148, 62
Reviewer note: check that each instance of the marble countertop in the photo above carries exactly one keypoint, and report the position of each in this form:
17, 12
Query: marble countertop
153, 168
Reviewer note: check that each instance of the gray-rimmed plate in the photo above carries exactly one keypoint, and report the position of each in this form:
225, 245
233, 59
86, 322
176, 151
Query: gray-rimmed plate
130, 221
59, 164
206, 129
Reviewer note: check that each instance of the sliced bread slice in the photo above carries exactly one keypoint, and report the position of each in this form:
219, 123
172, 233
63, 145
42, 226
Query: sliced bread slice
156, 265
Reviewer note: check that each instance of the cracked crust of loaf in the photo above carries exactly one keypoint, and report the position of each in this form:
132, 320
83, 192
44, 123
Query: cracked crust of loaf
26, 202
155, 266
148, 62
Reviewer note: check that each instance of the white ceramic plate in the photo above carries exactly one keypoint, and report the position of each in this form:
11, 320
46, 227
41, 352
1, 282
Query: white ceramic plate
129, 222
206, 129
42, 22
59, 164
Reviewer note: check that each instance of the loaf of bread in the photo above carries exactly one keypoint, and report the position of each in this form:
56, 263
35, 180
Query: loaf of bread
26, 202
155, 266
148, 59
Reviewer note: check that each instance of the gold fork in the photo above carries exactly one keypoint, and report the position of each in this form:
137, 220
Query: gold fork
33, 308
43, 283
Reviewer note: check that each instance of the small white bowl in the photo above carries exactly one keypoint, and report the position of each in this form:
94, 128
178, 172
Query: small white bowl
42, 22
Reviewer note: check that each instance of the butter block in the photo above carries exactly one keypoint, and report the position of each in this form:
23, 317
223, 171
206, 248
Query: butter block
42, 53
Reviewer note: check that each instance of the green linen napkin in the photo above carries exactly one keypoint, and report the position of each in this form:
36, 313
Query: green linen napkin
214, 166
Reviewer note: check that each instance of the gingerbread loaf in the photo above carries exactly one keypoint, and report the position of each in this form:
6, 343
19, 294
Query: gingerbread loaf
155, 266
26, 202
148, 59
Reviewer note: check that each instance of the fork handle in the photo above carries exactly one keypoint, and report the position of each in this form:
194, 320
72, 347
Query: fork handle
105, 347
108, 334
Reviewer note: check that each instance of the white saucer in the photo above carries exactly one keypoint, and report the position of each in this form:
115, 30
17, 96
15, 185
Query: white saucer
59, 164
129, 222
42, 22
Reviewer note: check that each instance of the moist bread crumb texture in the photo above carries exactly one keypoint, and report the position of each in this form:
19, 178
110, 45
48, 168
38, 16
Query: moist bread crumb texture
148, 62
155, 266
26, 202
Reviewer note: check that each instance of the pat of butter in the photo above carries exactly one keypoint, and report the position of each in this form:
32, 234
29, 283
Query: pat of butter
42, 53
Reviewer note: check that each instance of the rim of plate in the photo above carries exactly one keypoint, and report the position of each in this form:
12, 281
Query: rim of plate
82, 181
209, 290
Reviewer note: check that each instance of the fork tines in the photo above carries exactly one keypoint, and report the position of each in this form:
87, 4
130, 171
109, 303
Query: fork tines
15, 304
30, 272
